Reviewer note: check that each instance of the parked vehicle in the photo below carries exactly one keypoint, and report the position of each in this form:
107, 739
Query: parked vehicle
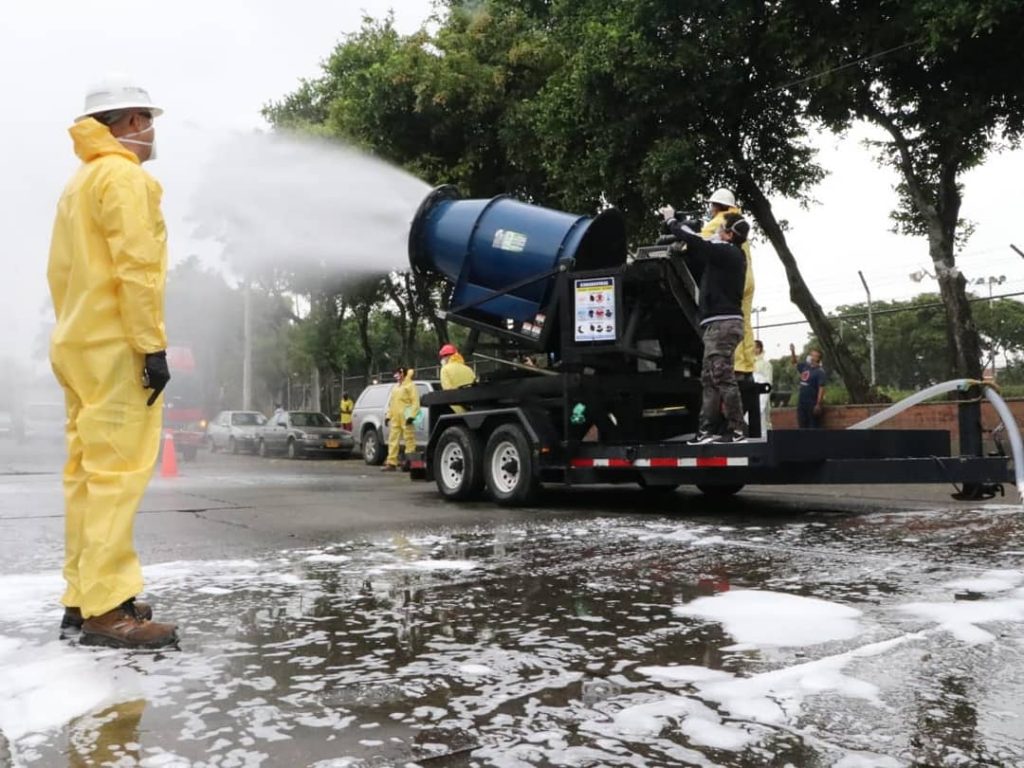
235, 431
369, 420
301, 433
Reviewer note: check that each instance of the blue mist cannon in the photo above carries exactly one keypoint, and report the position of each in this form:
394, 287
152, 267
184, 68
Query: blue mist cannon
502, 256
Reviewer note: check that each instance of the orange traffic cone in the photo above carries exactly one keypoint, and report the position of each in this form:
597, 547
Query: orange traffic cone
169, 464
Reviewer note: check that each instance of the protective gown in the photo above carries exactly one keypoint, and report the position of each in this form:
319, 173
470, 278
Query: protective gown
744, 362
455, 374
107, 269
403, 404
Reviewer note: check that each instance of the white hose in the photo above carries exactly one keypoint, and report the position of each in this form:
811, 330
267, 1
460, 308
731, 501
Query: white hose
1016, 445
914, 399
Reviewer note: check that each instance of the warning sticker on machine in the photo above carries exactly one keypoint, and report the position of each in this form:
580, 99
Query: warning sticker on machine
507, 240
596, 313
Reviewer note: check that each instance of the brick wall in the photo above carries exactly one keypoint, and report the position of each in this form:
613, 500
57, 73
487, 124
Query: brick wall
933, 415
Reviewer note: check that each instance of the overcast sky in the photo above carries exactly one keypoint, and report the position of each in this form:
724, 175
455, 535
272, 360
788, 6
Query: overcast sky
213, 64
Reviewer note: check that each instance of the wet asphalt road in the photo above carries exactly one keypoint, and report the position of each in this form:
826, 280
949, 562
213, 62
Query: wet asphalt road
334, 616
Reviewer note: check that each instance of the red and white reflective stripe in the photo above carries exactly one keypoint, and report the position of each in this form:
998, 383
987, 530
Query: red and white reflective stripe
588, 463
699, 462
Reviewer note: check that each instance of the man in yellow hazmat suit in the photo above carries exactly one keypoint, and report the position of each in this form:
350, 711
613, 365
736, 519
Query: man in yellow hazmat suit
107, 268
722, 202
345, 411
403, 408
454, 371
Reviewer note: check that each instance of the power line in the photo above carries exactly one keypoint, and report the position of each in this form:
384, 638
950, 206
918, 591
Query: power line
894, 310
853, 63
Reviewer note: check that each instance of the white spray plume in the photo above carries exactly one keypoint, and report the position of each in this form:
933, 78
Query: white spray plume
306, 205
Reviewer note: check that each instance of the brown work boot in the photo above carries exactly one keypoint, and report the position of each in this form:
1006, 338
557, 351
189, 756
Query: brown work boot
389, 468
124, 628
72, 618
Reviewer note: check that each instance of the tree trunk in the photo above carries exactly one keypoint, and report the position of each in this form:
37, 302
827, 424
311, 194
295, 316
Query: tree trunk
836, 353
964, 347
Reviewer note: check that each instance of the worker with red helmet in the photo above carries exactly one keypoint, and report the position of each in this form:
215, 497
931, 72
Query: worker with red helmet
454, 371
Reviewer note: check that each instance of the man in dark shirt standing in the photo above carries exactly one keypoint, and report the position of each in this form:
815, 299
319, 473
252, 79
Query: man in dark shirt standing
811, 398
722, 266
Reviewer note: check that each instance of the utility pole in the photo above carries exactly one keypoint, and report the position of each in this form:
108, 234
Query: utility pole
247, 347
871, 325
757, 319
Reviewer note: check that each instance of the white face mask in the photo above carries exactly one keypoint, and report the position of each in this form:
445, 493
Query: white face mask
127, 139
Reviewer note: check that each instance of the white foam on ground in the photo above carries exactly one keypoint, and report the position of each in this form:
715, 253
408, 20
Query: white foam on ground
989, 582
962, 618
775, 619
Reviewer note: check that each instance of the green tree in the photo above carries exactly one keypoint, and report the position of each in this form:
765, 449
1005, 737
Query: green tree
581, 104
942, 79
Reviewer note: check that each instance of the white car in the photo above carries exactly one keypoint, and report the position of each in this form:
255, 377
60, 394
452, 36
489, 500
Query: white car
235, 431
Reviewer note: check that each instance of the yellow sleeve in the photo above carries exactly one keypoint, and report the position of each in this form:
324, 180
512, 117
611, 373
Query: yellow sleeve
137, 249
414, 396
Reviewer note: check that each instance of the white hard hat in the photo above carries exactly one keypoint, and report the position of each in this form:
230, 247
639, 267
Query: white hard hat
724, 197
116, 92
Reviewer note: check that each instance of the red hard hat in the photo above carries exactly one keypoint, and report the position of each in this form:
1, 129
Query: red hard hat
446, 350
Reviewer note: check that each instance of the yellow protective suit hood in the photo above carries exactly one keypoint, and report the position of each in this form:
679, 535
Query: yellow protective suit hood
745, 350
108, 255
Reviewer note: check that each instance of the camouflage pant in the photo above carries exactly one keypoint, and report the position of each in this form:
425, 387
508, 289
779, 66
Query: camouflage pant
720, 390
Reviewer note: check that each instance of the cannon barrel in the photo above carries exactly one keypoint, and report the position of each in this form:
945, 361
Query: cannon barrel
501, 255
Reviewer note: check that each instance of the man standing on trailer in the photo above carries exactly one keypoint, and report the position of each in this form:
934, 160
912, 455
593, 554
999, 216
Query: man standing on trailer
722, 265
723, 201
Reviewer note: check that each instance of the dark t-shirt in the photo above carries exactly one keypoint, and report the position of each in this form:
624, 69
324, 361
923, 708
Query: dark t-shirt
811, 380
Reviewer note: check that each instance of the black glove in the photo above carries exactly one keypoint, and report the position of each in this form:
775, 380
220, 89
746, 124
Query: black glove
695, 224
409, 421
155, 374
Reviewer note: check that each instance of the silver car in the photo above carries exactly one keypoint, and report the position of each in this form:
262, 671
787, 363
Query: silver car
301, 433
369, 420
235, 431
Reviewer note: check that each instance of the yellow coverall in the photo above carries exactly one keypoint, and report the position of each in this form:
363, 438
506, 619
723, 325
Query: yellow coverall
744, 362
454, 374
346, 408
403, 404
107, 268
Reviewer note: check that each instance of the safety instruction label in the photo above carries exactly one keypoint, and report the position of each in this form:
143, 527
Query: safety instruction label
507, 240
596, 313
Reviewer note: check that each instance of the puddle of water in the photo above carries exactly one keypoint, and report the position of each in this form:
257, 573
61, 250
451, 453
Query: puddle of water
606, 643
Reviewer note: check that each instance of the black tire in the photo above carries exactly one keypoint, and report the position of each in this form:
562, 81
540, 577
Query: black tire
262, 450
373, 447
458, 464
294, 452
509, 470
720, 491
233, 446
189, 452
213, 444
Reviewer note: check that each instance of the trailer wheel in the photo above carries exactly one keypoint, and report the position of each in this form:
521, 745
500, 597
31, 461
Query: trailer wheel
509, 469
458, 457
720, 491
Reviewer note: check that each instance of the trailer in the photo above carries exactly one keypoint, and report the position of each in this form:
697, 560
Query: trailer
613, 390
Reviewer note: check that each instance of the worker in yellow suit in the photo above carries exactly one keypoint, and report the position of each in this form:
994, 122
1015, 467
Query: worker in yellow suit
403, 408
107, 268
454, 372
346, 408
723, 201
